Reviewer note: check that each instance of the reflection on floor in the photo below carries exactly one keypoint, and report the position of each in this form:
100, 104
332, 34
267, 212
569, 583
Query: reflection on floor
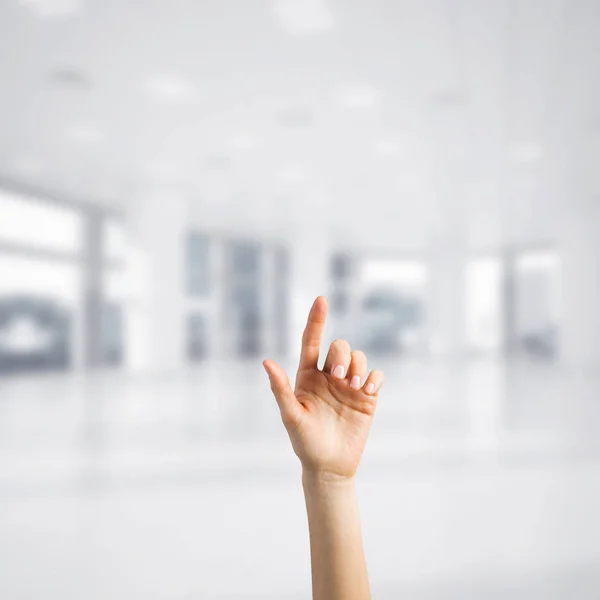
480, 481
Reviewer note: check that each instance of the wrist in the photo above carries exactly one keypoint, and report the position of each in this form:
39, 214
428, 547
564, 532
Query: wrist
322, 478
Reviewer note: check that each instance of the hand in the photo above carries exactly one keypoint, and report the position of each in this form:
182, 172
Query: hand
329, 414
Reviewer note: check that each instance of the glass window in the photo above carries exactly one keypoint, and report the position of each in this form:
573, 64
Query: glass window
485, 297
114, 239
244, 301
392, 305
279, 284
536, 303
245, 259
404, 273
198, 264
280, 319
115, 294
247, 321
40, 301
197, 336
37, 224
116, 284
282, 264
112, 334
341, 267
40, 277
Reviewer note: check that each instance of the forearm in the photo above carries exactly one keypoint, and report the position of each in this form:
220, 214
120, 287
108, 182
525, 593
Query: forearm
338, 565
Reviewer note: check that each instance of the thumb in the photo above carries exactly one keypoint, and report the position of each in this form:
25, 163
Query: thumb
291, 409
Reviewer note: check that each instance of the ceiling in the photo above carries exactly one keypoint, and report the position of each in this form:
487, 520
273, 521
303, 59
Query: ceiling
380, 122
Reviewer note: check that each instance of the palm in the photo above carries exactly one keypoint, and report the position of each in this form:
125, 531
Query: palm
327, 416
332, 433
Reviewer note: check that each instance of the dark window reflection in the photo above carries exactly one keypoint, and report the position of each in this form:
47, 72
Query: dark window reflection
341, 267
198, 264
245, 259
197, 342
281, 299
112, 335
534, 304
35, 334
247, 320
282, 266
244, 298
389, 316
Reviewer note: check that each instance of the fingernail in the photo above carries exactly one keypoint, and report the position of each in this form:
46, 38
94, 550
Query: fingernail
339, 372
370, 388
355, 382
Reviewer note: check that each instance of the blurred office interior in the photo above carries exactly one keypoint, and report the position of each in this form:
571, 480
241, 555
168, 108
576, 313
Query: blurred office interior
179, 180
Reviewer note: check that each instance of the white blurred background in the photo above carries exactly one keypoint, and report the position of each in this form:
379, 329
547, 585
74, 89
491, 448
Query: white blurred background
179, 180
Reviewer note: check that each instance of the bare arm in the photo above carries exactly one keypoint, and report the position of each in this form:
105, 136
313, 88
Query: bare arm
338, 564
328, 417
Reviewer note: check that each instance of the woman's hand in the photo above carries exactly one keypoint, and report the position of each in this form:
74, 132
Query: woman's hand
328, 415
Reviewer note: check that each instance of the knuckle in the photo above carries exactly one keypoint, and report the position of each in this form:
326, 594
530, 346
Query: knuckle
367, 404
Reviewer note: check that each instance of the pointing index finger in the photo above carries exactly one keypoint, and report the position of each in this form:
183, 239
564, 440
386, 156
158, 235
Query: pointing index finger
311, 339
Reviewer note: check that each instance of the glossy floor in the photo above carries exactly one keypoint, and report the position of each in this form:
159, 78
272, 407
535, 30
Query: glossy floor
481, 480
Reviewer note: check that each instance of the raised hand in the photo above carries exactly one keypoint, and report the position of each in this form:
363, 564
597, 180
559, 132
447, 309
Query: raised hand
328, 415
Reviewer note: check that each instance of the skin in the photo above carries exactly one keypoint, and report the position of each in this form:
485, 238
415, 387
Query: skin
328, 416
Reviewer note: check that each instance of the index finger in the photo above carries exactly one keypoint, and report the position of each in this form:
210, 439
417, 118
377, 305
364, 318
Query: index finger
311, 338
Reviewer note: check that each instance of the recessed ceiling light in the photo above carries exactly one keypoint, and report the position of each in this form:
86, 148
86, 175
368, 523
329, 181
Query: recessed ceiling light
70, 77
303, 17
359, 97
52, 8
85, 134
170, 88
527, 152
